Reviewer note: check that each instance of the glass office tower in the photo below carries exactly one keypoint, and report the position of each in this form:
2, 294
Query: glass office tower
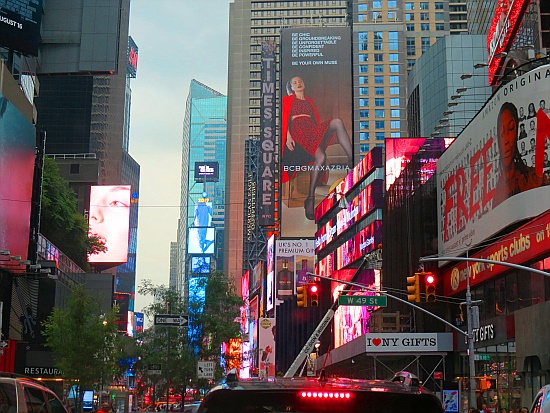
202, 205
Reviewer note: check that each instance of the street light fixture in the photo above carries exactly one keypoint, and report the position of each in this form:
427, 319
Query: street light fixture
455, 97
480, 65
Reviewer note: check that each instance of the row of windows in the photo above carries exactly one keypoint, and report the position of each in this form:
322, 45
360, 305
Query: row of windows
425, 16
424, 5
296, 12
287, 4
378, 57
394, 68
276, 17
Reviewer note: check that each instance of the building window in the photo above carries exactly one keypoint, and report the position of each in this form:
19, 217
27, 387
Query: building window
410, 27
394, 102
439, 5
379, 80
394, 68
363, 90
363, 41
380, 136
379, 124
394, 57
362, 18
363, 80
392, 15
363, 68
378, 68
395, 113
411, 46
439, 26
364, 124
363, 58
425, 43
392, 4
425, 27
424, 5
409, 17
409, 6
377, 4
362, 7
395, 124
379, 102
364, 113
394, 79
378, 57
364, 102
424, 16
394, 39
364, 147
410, 63
395, 134
394, 90
378, 90
379, 113
439, 16
378, 45
364, 136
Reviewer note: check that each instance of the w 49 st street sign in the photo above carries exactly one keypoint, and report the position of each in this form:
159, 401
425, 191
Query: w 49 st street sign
171, 320
369, 300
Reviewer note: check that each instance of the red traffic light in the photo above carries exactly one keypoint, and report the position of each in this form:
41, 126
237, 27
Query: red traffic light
314, 295
314, 288
430, 279
430, 287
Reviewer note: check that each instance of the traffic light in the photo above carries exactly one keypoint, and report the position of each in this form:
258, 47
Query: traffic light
314, 295
413, 288
430, 287
301, 295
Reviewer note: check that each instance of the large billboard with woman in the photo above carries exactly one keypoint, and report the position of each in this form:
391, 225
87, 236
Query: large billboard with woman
497, 171
316, 121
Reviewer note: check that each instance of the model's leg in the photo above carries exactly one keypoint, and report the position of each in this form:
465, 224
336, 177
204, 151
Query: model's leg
337, 126
318, 163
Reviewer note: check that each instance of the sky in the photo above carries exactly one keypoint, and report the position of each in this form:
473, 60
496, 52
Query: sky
178, 41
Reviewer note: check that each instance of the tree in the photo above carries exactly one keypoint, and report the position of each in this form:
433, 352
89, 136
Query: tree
82, 339
60, 221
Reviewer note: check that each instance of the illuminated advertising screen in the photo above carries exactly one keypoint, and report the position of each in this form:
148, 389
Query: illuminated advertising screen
17, 155
270, 268
122, 302
109, 219
504, 26
257, 277
267, 135
355, 247
132, 62
294, 260
266, 338
201, 240
496, 172
207, 171
316, 121
139, 322
200, 265
20, 25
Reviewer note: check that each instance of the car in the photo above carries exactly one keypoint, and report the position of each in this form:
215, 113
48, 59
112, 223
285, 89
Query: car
19, 394
322, 395
540, 403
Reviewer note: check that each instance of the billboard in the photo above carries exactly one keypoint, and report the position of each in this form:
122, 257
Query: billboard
20, 25
266, 337
17, 155
496, 172
294, 260
132, 62
109, 219
316, 121
122, 302
270, 268
139, 322
267, 136
200, 265
201, 240
207, 171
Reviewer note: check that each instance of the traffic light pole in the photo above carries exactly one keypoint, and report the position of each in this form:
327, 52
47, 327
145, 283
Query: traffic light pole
470, 305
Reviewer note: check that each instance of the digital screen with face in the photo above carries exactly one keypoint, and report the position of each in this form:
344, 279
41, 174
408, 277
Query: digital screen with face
109, 219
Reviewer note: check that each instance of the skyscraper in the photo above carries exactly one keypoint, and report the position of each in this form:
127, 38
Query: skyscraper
202, 205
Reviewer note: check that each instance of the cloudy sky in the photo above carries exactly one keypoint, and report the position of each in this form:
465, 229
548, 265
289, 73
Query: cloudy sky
178, 40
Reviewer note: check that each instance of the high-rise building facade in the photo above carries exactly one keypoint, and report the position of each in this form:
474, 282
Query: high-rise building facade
203, 201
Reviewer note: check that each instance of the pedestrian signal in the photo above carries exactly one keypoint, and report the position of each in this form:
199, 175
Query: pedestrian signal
314, 295
413, 288
301, 295
430, 287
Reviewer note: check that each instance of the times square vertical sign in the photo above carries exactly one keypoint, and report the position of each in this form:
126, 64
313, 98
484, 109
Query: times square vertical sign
267, 136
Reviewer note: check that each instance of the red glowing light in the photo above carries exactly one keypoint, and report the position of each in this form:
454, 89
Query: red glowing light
313, 288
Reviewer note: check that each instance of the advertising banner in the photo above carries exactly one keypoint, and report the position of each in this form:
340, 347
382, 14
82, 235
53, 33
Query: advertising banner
122, 302
201, 240
267, 347
496, 172
207, 171
17, 155
267, 136
294, 259
109, 219
200, 265
270, 270
132, 62
408, 342
20, 25
316, 121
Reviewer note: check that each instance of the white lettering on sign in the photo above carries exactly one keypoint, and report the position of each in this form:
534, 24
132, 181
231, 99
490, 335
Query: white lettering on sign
484, 333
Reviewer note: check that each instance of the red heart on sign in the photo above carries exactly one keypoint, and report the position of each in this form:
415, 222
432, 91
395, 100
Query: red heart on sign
376, 341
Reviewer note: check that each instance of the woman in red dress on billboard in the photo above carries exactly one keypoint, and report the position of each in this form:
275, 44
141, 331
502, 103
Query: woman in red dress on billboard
515, 175
303, 132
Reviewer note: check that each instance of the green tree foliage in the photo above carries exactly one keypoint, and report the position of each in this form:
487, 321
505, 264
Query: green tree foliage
212, 316
60, 221
83, 340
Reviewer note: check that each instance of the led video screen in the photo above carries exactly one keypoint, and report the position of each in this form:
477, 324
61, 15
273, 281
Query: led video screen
201, 240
